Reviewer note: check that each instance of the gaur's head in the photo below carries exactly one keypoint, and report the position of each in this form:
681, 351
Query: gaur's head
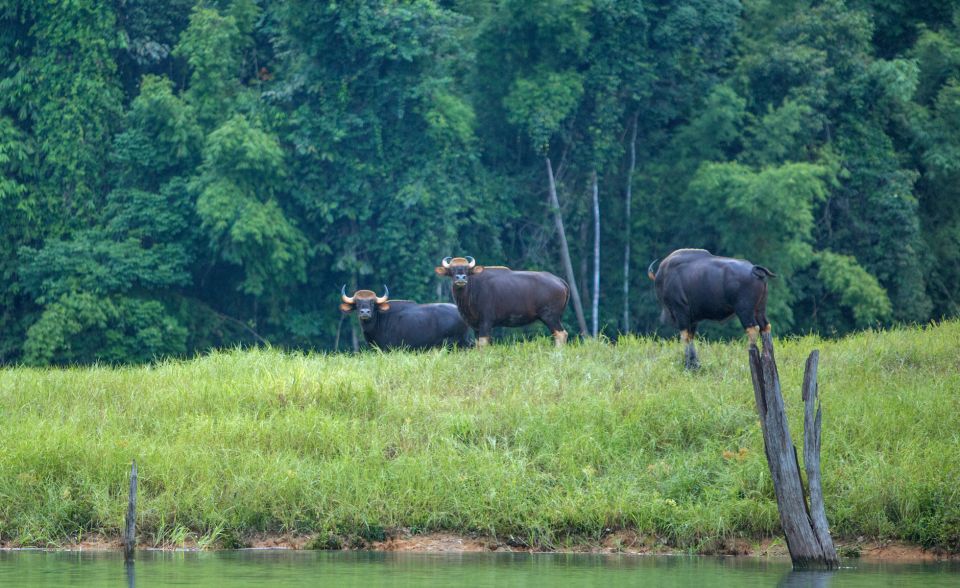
458, 268
366, 302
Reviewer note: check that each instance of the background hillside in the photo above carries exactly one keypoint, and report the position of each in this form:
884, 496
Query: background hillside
177, 176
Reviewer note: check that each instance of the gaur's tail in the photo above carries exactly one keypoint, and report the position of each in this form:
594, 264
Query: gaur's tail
763, 273
650, 273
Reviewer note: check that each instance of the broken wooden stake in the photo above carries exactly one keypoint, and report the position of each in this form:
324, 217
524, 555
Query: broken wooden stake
130, 533
805, 527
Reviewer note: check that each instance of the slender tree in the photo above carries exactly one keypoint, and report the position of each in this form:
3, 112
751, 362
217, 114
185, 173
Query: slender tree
565, 248
595, 316
628, 222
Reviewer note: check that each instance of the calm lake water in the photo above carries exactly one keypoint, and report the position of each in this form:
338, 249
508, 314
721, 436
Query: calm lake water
368, 570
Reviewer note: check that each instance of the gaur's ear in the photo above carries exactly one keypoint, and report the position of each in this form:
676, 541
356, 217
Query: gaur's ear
346, 307
440, 271
384, 307
476, 269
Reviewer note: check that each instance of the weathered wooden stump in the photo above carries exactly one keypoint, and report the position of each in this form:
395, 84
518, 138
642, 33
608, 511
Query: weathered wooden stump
805, 526
130, 533
129, 566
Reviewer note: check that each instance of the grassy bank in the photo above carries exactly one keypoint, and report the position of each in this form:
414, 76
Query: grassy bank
521, 440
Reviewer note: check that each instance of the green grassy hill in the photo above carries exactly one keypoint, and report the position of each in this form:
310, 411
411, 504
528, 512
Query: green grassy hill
548, 446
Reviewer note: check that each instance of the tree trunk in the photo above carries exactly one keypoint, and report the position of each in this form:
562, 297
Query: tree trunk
628, 226
596, 256
584, 269
805, 527
336, 342
565, 249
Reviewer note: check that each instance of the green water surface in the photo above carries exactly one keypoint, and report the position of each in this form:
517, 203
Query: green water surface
370, 569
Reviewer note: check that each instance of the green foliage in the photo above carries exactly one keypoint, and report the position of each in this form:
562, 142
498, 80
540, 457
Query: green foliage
91, 287
81, 328
59, 84
777, 205
716, 128
539, 105
211, 47
242, 167
857, 290
780, 133
229, 164
162, 138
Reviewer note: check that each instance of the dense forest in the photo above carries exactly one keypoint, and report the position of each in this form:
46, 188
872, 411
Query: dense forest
179, 175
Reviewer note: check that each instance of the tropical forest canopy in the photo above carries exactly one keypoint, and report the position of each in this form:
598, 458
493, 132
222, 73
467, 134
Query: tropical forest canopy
179, 175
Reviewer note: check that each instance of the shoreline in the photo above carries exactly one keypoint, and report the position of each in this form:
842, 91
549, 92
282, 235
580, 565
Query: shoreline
591, 450
617, 543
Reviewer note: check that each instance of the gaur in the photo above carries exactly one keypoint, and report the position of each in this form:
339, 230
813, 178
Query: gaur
496, 296
390, 324
694, 285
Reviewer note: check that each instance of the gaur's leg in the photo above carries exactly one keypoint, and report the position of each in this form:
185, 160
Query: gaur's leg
691, 361
762, 321
747, 313
760, 311
484, 334
753, 317
556, 329
560, 338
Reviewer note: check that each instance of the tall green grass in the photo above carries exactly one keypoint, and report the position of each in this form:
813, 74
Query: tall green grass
518, 440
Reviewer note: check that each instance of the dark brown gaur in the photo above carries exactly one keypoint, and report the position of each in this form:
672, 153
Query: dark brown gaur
496, 296
694, 285
391, 324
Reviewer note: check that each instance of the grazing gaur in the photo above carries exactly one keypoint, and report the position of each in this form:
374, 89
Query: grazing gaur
694, 285
389, 324
497, 296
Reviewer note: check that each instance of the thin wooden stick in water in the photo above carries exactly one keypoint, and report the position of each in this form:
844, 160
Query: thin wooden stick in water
130, 533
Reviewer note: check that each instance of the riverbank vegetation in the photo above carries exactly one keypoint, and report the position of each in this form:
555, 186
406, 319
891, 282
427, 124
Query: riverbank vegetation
521, 442
178, 176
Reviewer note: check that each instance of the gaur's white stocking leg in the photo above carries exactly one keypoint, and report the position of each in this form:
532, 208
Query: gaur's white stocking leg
560, 338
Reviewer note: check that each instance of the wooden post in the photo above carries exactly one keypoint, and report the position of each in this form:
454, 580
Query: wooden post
805, 528
130, 533
811, 457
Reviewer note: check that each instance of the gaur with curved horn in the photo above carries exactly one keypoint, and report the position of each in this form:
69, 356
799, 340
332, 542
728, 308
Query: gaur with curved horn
390, 324
694, 285
490, 297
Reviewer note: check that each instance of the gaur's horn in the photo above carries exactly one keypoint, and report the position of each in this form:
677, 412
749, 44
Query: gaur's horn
386, 294
446, 262
343, 295
471, 261
650, 273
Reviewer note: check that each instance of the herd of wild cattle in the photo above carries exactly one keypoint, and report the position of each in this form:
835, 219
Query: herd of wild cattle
692, 285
